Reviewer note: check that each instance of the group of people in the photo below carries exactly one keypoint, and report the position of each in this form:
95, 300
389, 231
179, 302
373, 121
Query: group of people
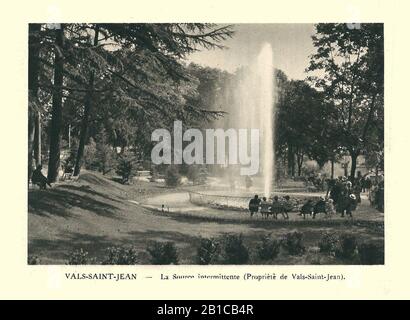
342, 197
312, 208
273, 208
285, 205
345, 194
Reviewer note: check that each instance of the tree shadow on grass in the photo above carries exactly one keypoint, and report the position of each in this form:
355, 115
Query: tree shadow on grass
155, 235
89, 190
59, 202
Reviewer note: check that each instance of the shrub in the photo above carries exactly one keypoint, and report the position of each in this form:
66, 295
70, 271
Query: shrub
310, 168
163, 253
293, 243
208, 251
153, 173
77, 257
121, 256
126, 167
314, 259
346, 248
371, 253
328, 243
105, 157
32, 260
268, 248
203, 175
172, 177
89, 154
198, 174
234, 250
319, 259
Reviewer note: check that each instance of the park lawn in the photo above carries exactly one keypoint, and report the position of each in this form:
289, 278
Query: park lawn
94, 214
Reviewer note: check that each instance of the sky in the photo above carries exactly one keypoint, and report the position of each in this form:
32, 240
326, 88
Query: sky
291, 43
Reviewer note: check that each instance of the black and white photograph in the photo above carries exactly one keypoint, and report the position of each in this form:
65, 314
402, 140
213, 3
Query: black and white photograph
205, 143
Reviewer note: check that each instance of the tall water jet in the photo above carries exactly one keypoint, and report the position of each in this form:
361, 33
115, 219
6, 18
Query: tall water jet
254, 109
266, 114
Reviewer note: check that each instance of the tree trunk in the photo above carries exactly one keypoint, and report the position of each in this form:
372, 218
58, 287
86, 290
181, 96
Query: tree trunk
300, 163
57, 103
31, 121
84, 128
291, 161
69, 137
33, 69
88, 106
377, 173
354, 156
332, 170
37, 139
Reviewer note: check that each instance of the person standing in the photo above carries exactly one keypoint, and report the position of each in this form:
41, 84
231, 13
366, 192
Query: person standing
357, 188
351, 203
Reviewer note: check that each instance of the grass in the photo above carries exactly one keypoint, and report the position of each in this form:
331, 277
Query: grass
93, 214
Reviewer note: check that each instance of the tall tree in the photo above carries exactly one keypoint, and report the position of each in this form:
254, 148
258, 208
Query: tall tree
351, 64
166, 45
300, 122
88, 106
57, 104
33, 87
124, 78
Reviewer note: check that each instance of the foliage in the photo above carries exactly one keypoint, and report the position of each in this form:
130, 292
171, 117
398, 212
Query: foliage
234, 251
132, 72
293, 243
172, 177
121, 256
268, 248
371, 253
153, 173
105, 157
33, 260
78, 257
208, 251
197, 174
347, 246
126, 166
163, 253
90, 151
328, 243
310, 169
352, 64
